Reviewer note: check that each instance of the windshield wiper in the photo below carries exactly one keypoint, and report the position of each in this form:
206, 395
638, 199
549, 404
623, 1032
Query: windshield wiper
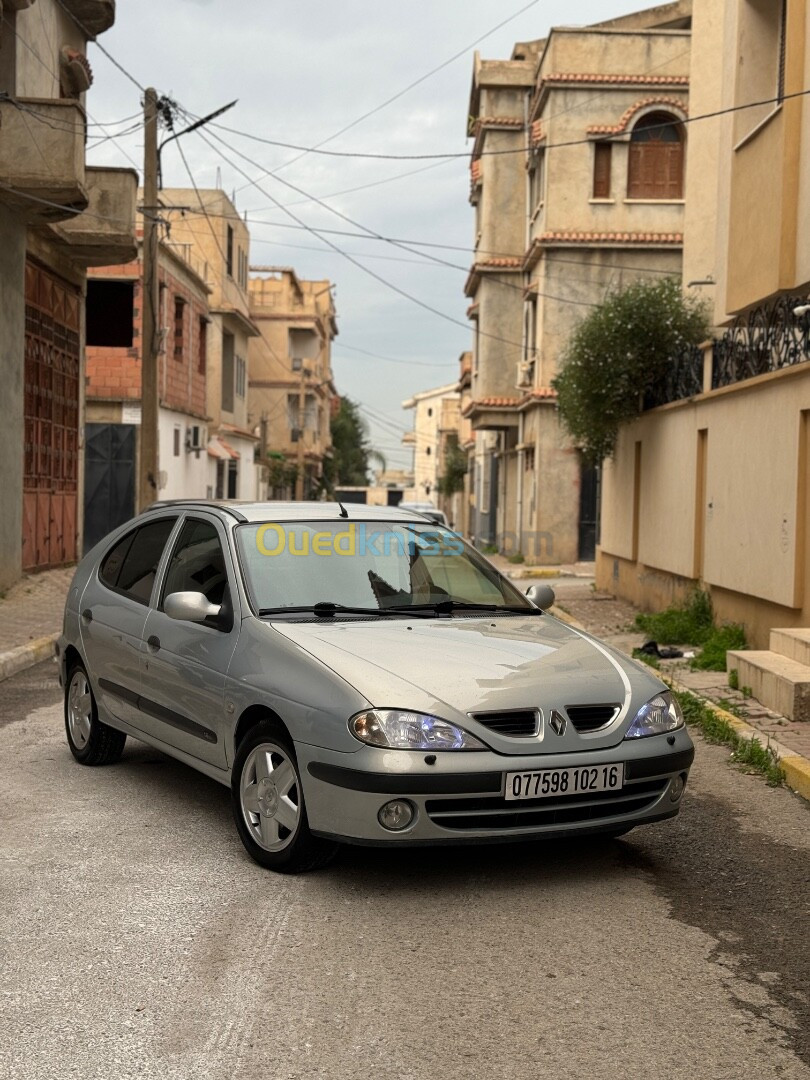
325, 609
447, 607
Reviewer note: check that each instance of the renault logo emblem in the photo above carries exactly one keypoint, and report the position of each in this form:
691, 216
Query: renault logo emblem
557, 722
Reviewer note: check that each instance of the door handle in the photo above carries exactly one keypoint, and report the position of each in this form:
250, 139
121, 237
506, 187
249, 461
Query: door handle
153, 641
87, 615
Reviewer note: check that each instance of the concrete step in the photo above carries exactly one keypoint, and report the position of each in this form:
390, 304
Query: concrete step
793, 642
778, 682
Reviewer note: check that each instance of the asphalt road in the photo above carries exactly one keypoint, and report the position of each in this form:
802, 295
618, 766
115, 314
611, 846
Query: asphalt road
138, 940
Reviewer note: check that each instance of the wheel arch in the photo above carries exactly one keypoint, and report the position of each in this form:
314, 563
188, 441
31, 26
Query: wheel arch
253, 715
72, 658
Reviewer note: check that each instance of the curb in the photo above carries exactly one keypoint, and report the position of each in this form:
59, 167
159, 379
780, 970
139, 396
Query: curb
795, 767
16, 660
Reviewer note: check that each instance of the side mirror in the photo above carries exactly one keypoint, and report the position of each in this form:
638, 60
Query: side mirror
541, 596
190, 607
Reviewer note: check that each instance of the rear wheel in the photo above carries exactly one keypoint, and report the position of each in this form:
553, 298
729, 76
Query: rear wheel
91, 742
268, 804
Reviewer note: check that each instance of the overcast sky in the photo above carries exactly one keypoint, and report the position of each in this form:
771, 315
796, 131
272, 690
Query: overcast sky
302, 70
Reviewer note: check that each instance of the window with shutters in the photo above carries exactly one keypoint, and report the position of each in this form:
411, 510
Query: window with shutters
655, 160
602, 157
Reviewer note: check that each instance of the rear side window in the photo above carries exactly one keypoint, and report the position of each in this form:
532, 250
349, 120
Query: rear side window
131, 566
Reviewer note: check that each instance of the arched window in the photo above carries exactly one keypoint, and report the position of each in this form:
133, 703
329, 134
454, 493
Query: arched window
655, 161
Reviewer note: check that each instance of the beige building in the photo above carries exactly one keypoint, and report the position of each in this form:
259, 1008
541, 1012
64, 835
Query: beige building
436, 415
291, 386
208, 233
577, 183
57, 217
714, 486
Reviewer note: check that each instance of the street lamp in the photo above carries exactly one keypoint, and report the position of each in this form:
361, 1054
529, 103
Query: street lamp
192, 127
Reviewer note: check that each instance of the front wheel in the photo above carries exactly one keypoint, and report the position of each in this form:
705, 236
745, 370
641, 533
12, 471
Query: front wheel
268, 805
91, 742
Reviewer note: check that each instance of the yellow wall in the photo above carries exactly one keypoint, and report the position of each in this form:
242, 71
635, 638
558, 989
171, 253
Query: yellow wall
750, 544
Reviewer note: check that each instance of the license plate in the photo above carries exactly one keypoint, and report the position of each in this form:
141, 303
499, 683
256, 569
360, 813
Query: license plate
549, 782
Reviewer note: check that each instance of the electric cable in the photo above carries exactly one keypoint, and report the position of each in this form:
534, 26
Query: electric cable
401, 93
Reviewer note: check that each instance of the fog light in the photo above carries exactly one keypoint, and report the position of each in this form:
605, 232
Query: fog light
396, 815
676, 787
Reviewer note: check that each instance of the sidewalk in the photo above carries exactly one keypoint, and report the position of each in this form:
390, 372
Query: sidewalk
31, 619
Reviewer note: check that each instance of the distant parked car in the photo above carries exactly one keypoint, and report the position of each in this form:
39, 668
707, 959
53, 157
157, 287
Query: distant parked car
427, 510
358, 675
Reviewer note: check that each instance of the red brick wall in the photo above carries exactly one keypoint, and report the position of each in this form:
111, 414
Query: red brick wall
115, 373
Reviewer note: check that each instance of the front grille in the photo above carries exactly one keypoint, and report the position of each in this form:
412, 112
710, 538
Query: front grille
481, 812
591, 717
519, 723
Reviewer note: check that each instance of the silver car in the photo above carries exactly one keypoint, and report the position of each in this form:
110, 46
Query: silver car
359, 675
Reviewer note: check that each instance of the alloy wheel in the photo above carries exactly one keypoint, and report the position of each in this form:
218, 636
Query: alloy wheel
80, 710
269, 797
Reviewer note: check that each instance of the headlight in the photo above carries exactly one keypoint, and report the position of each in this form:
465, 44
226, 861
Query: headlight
399, 730
662, 713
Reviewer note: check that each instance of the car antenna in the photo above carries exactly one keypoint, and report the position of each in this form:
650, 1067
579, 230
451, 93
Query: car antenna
343, 511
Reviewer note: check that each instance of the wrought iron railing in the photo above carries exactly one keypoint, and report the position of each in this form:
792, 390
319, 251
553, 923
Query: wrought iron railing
683, 379
765, 339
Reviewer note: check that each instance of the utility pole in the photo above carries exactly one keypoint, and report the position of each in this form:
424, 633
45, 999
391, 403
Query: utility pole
299, 478
150, 301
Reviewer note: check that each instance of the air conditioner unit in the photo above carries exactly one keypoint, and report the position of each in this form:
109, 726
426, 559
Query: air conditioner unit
297, 363
195, 437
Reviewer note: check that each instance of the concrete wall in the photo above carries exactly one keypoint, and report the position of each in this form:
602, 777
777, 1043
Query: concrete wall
12, 336
712, 491
186, 473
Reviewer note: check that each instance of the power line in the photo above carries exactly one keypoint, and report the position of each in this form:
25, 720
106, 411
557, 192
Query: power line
400, 93
350, 258
500, 153
90, 36
390, 359
51, 72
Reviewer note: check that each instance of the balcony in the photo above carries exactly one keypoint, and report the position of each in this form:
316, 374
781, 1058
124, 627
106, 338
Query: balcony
93, 16
104, 235
42, 172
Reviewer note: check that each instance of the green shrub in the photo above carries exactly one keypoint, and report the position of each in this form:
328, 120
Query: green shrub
622, 348
716, 729
693, 623
517, 558
712, 656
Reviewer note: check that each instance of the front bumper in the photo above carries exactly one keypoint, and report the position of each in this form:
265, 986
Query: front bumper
460, 798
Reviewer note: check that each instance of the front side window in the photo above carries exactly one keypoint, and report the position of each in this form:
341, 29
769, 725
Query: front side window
655, 164
131, 566
366, 564
198, 562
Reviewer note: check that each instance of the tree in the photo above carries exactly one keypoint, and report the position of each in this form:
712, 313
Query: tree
618, 351
351, 451
455, 468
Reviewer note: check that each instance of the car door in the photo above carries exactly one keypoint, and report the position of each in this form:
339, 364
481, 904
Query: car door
184, 664
113, 611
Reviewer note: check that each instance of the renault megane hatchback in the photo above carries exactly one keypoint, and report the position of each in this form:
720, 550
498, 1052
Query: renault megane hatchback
358, 675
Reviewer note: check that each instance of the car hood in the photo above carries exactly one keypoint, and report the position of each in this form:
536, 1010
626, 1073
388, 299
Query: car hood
457, 666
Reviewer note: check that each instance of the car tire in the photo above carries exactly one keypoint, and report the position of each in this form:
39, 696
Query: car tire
268, 804
91, 742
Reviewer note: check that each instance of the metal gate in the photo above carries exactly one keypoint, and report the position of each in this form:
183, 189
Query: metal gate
589, 485
51, 415
109, 479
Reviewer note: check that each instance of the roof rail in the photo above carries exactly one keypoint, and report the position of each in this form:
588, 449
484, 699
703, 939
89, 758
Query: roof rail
214, 504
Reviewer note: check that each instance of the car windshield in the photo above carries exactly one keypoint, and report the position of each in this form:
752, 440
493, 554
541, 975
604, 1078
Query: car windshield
368, 565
